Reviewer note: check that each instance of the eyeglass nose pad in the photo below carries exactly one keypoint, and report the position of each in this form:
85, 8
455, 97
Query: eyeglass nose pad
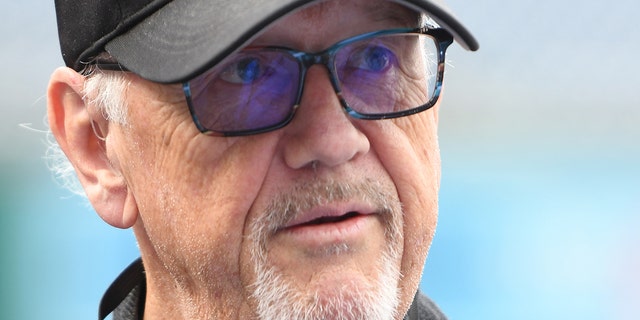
309, 62
313, 75
313, 79
322, 134
335, 85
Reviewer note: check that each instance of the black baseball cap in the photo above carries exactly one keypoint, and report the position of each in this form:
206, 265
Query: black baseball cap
185, 37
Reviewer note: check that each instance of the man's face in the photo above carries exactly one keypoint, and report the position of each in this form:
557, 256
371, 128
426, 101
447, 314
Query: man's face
327, 215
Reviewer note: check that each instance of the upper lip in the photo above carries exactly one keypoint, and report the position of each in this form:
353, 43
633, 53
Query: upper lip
329, 213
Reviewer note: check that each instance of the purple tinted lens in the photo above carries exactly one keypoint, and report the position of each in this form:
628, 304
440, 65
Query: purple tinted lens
387, 74
252, 90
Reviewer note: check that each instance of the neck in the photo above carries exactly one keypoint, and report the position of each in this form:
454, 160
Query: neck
178, 297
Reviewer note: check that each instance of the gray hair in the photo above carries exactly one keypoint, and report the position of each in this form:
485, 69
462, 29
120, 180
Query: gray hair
106, 91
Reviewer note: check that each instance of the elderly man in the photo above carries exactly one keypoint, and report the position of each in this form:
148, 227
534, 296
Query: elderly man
276, 159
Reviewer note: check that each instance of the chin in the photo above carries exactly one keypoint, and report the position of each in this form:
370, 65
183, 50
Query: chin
330, 296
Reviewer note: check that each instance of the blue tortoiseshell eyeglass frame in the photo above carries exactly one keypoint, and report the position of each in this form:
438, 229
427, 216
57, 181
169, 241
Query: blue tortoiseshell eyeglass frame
442, 40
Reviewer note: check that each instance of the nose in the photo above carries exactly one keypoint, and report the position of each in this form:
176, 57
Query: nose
321, 132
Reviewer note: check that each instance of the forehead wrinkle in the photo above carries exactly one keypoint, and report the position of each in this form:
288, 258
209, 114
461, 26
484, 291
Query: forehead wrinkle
394, 12
375, 10
312, 21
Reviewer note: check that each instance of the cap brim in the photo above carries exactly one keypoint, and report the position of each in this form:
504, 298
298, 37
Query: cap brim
186, 37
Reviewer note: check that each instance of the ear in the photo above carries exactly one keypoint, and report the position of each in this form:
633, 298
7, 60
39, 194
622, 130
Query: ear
71, 125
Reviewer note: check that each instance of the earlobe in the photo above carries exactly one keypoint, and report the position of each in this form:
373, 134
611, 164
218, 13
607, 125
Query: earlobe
72, 127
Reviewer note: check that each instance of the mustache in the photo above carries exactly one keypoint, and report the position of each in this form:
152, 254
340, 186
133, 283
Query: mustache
307, 194
278, 298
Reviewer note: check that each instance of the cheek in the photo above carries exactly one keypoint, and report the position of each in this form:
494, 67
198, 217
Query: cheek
408, 150
193, 192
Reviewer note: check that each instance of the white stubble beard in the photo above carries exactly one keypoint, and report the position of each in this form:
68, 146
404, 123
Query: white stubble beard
278, 299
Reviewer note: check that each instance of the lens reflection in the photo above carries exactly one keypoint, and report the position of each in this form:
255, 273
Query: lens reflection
379, 75
407, 81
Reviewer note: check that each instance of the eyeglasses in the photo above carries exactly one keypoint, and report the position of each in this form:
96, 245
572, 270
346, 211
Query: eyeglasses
377, 75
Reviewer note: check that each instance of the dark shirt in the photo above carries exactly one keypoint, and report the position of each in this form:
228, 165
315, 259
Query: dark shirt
125, 298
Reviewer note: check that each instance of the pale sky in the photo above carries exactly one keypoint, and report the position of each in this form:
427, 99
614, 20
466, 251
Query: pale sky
541, 162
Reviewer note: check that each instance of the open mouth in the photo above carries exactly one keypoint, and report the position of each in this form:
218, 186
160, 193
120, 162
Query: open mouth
324, 226
336, 217
328, 219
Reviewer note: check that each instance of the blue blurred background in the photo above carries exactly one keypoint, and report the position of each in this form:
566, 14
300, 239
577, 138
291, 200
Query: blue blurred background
540, 199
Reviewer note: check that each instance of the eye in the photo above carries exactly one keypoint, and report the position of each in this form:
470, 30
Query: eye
372, 58
245, 70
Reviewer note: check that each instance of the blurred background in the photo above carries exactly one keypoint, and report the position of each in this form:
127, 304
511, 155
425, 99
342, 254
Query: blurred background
540, 199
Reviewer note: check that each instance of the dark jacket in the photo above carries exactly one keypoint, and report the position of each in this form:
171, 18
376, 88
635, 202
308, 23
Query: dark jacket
125, 298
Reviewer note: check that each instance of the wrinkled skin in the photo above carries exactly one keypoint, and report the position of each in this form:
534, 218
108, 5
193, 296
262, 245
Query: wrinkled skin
192, 199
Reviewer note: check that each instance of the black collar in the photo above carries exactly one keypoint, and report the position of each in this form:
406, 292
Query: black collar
126, 296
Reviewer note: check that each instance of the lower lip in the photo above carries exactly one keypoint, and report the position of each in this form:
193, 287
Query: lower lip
351, 229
